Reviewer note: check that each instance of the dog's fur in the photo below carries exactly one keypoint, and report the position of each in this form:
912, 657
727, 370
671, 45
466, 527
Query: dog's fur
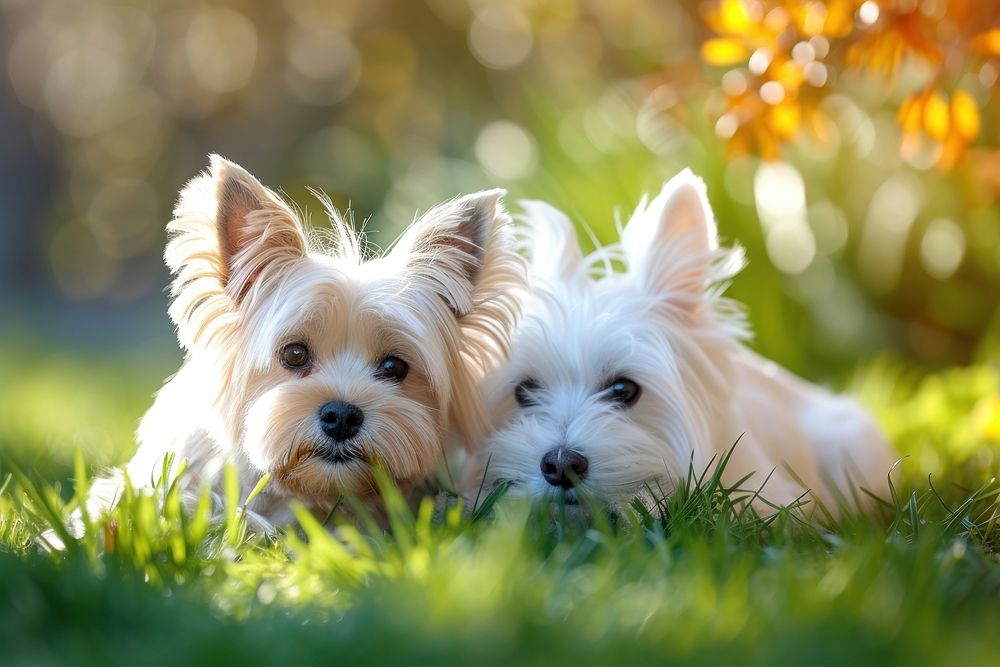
662, 323
248, 280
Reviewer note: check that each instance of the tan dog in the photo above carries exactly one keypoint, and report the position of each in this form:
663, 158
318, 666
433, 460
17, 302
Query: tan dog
316, 365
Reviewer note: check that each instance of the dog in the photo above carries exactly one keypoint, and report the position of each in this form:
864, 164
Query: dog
314, 363
621, 382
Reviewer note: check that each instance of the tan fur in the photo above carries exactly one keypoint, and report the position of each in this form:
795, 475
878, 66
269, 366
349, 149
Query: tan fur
248, 281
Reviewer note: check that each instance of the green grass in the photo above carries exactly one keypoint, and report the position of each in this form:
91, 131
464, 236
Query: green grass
699, 582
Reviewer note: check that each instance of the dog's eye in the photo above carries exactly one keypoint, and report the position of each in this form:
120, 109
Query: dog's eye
624, 391
524, 393
294, 355
393, 369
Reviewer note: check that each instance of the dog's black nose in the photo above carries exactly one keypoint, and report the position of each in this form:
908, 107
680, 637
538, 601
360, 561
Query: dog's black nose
341, 420
564, 467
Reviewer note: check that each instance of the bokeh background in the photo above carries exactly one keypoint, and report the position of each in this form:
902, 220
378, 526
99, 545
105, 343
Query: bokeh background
849, 146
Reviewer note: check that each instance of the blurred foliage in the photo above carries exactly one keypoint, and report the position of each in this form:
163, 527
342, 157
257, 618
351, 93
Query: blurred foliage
53, 403
855, 245
946, 425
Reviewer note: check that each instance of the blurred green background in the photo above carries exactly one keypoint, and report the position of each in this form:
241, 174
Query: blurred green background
108, 107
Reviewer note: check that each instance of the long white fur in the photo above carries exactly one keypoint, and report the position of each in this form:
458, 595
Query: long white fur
663, 323
248, 279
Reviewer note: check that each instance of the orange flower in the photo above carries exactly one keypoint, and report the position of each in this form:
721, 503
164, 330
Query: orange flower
724, 51
779, 55
952, 125
987, 43
895, 34
833, 18
776, 74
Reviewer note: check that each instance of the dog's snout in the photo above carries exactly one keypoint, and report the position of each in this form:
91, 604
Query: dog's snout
341, 420
564, 467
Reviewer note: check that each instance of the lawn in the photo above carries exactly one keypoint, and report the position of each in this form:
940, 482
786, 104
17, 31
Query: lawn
700, 581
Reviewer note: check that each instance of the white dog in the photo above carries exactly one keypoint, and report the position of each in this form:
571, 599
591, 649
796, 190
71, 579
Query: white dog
618, 385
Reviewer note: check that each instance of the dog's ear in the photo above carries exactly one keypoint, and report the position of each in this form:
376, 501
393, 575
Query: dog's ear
227, 233
670, 244
461, 254
448, 248
550, 241
255, 226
